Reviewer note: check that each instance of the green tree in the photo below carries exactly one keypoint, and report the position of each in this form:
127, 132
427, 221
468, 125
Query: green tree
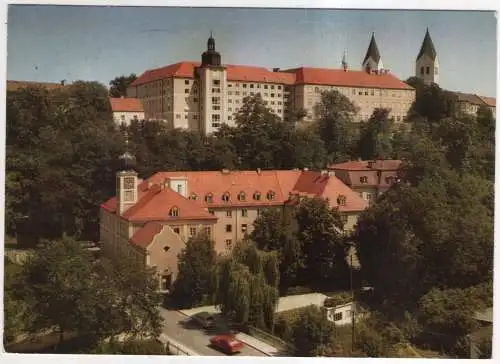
375, 140
431, 102
336, 115
323, 246
312, 333
131, 347
307, 150
245, 285
119, 85
195, 266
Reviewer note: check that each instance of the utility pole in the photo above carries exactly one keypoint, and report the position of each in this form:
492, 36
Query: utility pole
353, 305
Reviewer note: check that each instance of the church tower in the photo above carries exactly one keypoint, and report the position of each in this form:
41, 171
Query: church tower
427, 65
372, 60
126, 182
213, 85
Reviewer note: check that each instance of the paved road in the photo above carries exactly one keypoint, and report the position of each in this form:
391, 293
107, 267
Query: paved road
180, 328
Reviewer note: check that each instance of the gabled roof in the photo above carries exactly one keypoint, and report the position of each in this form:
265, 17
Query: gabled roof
380, 174
126, 104
372, 51
427, 47
155, 202
469, 98
145, 235
297, 76
339, 77
489, 101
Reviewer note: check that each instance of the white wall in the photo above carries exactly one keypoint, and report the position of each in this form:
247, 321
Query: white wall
127, 117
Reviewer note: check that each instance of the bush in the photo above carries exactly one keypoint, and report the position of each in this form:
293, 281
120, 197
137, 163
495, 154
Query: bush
131, 347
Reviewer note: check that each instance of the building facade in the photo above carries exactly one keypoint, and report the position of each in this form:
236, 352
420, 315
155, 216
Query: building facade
126, 110
368, 178
151, 220
203, 96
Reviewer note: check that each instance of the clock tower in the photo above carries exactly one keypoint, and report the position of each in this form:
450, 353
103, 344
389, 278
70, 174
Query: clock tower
126, 182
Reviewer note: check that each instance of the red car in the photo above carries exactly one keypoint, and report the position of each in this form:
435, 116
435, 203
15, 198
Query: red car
227, 344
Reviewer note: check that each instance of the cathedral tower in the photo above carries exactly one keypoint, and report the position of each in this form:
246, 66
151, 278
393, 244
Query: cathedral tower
372, 60
427, 65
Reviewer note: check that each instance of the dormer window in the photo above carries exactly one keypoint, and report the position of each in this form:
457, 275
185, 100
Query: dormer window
209, 198
241, 196
256, 196
193, 197
341, 200
271, 195
226, 197
174, 212
389, 180
363, 179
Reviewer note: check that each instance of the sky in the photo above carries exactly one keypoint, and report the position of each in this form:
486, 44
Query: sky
97, 43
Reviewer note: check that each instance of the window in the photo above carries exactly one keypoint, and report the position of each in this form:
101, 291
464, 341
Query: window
372, 93
316, 90
337, 316
226, 197
211, 211
215, 125
229, 85
244, 93
195, 100
229, 118
243, 228
209, 198
237, 93
216, 107
216, 82
186, 91
185, 116
272, 87
215, 117
230, 101
421, 70
270, 195
236, 101
177, 116
265, 87
363, 179
177, 230
368, 196
427, 70
279, 87
229, 228
229, 109
216, 100
272, 102
241, 196
341, 200
344, 219
244, 213
244, 85
166, 248
229, 213
272, 95
229, 244
192, 231
251, 85
174, 212
186, 82
279, 111
256, 196
208, 230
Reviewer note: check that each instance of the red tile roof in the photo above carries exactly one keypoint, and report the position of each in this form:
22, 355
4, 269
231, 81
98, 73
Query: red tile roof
145, 235
154, 203
381, 174
303, 75
339, 77
126, 104
490, 101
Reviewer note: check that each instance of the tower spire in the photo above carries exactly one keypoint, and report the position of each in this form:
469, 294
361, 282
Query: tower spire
127, 159
427, 47
372, 58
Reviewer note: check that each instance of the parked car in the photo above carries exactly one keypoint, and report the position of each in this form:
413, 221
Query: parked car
205, 319
227, 344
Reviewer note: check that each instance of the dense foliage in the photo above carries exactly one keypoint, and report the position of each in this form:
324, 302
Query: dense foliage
195, 264
312, 335
118, 85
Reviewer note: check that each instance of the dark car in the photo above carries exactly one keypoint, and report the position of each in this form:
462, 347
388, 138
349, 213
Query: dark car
227, 343
205, 319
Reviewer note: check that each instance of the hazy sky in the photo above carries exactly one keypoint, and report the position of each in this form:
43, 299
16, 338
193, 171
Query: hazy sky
51, 43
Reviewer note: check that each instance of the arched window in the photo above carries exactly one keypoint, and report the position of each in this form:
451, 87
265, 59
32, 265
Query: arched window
256, 196
341, 200
226, 197
174, 211
193, 196
209, 198
241, 196
271, 195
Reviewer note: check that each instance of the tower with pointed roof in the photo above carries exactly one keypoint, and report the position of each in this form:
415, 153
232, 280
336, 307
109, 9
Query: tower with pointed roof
427, 64
372, 60
212, 77
126, 181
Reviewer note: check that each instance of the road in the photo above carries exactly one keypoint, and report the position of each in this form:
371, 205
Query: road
182, 329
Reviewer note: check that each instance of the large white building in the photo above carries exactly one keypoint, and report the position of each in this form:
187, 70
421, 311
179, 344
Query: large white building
203, 96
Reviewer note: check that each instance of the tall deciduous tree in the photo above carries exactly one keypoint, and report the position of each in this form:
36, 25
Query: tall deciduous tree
246, 285
119, 85
336, 114
196, 263
376, 134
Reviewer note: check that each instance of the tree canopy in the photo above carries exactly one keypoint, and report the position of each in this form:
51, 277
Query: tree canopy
119, 85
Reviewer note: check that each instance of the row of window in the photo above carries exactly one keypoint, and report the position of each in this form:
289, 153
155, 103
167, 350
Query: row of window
226, 196
257, 85
207, 230
229, 228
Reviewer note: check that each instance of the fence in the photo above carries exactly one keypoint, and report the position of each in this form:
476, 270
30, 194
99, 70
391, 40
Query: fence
271, 339
175, 348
